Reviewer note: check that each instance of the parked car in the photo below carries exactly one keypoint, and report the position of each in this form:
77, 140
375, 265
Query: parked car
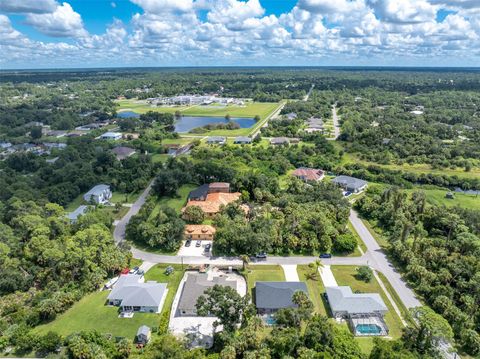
207, 247
325, 255
140, 272
198, 244
135, 269
348, 193
261, 255
188, 242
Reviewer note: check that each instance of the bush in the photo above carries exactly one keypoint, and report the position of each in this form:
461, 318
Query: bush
365, 273
345, 243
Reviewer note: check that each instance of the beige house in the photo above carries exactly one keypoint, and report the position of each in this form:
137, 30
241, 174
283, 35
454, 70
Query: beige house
201, 232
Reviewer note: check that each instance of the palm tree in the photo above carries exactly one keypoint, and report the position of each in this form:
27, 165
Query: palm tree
245, 260
314, 266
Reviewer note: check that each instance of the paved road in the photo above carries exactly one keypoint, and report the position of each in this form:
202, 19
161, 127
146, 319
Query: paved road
309, 93
119, 232
336, 123
378, 260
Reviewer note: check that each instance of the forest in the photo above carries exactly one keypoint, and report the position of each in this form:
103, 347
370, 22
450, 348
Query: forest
439, 250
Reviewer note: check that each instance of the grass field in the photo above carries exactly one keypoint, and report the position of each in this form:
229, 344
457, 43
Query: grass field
259, 273
315, 289
436, 196
175, 202
349, 158
345, 275
90, 312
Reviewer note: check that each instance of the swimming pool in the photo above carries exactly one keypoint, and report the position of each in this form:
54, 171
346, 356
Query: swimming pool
270, 320
368, 329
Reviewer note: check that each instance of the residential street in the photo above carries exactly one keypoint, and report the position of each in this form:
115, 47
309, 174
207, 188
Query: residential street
336, 123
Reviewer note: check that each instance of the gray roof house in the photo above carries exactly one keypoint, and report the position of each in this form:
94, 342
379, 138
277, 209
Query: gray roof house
216, 140
73, 216
279, 141
350, 184
195, 285
343, 302
100, 194
122, 152
242, 140
272, 296
131, 293
144, 334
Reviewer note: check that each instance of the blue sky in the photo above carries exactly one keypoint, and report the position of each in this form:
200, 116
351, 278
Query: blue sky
102, 33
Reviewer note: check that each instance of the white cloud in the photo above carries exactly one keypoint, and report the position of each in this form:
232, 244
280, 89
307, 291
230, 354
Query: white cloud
162, 6
28, 6
404, 11
63, 22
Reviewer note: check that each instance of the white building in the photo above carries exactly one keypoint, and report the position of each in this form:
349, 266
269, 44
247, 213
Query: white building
111, 136
100, 194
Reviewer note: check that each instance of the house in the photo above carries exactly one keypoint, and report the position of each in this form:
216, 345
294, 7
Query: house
291, 116
279, 141
309, 174
130, 136
56, 133
314, 125
216, 140
144, 334
242, 140
111, 136
199, 232
211, 197
100, 194
200, 193
57, 145
122, 152
363, 311
80, 211
272, 296
5, 145
195, 285
350, 184
132, 294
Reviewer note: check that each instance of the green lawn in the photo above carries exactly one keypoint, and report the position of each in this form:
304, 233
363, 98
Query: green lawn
315, 289
263, 273
361, 244
160, 157
72, 206
91, 312
436, 196
345, 275
175, 202
124, 197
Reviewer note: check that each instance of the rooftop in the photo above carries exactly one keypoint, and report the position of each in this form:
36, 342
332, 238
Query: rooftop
77, 212
122, 152
199, 229
308, 174
97, 190
349, 181
342, 299
214, 201
277, 295
132, 291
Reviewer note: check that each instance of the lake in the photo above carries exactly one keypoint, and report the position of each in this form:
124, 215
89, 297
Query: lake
187, 123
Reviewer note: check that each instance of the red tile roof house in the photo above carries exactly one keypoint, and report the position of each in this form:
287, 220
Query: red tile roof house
309, 174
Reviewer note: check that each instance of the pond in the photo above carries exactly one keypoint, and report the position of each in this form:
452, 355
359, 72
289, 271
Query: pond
187, 123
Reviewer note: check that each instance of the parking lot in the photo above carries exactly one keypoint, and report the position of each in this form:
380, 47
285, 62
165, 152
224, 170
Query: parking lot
194, 251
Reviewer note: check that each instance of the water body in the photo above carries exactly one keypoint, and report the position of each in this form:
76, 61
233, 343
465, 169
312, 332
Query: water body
128, 114
187, 123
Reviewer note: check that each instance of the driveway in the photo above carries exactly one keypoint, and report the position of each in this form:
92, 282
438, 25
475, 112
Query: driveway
290, 271
328, 278
194, 251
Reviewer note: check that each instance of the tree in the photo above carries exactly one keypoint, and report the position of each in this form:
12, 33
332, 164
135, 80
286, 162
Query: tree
194, 214
430, 330
226, 304
345, 243
36, 132
305, 305
388, 349
364, 273
48, 343
319, 333
257, 118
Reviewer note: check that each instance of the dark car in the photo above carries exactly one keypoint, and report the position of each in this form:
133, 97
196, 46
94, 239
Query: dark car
325, 255
188, 242
198, 244
207, 247
261, 255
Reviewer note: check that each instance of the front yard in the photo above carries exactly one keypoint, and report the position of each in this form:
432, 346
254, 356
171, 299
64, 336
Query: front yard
262, 273
315, 288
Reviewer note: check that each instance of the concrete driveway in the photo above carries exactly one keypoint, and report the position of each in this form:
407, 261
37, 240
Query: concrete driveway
194, 251
290, 271
328, 278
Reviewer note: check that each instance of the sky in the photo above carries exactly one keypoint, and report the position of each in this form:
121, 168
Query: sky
137, 33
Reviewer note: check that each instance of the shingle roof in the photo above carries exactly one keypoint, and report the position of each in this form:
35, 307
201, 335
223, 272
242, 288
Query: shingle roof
243, 139
97, 190
214, 201
199, 192
123, 152
192, 229
77, 213
342, 299
143, 330
308, 174
132, 292
195, 285
277, 295
351, 182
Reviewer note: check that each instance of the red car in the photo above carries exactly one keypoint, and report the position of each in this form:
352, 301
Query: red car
125, 271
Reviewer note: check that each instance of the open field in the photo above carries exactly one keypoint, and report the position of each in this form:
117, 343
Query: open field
175, 202
436, 196
315, 289
259, 273
345, 275
423, 168
90, 313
